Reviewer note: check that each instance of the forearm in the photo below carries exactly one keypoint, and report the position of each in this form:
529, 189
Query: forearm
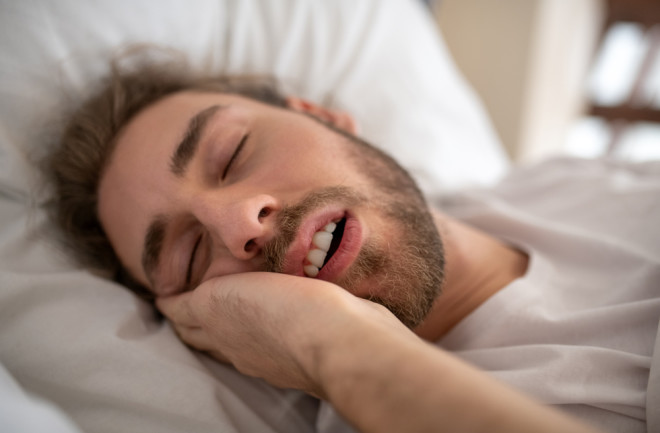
416, 388
314, 336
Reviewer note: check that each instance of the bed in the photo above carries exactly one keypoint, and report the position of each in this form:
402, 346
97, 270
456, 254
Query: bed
81, 353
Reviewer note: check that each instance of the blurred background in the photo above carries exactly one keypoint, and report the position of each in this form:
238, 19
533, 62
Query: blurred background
578, 77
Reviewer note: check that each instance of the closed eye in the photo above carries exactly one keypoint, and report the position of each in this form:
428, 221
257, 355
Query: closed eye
234, 156
191, 263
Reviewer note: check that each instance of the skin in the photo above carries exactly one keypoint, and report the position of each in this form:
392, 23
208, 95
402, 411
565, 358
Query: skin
220, 210
279, 165
298, 332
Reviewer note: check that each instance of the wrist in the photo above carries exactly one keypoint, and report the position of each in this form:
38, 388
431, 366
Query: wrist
357, 349
321, 329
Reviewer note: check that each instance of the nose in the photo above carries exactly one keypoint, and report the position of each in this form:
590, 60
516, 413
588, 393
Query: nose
240, 225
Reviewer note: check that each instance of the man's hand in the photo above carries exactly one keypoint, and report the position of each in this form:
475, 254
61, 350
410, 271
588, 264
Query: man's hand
271, 326
312, 335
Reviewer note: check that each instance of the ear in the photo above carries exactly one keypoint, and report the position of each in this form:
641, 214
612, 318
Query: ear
340, 119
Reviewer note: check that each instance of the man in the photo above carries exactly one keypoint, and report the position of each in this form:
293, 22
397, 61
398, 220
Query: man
272, 238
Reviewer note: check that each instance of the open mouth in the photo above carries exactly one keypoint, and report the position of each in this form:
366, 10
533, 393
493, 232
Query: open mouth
325, 243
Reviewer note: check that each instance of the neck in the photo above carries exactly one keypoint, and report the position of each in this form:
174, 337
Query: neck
477, 266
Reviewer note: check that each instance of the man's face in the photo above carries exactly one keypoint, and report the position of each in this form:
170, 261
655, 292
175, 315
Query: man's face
202, 185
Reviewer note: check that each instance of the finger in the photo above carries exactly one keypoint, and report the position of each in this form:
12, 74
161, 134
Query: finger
197, 339
193, 337
178, 309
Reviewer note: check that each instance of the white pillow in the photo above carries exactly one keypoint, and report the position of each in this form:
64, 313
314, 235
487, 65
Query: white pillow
88, 345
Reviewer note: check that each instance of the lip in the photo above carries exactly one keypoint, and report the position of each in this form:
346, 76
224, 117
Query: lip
346, 252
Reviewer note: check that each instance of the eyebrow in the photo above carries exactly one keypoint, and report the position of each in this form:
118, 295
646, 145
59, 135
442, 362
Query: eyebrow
153, 244
186, 149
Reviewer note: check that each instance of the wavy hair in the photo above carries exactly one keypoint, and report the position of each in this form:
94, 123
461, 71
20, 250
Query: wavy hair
77, 163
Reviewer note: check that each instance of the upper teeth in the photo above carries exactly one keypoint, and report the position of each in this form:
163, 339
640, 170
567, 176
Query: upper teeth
321, 242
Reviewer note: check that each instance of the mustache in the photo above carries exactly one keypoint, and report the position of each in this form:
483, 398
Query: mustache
290, 219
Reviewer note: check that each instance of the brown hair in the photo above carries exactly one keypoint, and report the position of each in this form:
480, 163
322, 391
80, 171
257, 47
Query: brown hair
77, 163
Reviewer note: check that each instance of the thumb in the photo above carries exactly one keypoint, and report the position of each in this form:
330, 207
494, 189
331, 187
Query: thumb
178, 309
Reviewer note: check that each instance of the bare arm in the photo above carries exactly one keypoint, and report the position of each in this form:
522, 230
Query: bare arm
418, 388
314, 336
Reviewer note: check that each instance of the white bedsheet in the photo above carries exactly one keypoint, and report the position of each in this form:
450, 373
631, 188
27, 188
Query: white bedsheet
88, 346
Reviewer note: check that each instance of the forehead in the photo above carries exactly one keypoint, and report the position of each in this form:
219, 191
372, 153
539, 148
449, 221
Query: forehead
170, 115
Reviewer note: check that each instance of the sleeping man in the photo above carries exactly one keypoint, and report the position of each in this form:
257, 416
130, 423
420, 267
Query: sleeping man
276, 240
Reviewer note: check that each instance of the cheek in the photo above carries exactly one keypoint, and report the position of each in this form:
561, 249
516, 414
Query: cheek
302, 169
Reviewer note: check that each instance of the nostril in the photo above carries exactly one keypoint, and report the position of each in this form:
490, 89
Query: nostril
250, 246
264, 212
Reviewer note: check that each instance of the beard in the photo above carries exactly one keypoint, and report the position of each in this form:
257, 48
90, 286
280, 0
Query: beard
403, 269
